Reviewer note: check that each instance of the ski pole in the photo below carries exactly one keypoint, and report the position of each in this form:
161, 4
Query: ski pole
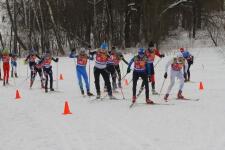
160, 92
57, 73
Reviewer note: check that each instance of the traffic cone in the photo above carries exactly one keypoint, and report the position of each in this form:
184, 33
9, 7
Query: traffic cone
201, 87
61, 77
18, 94
126, 82
66, 109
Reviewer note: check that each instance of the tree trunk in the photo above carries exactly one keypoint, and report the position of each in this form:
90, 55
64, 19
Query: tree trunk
59, 43
14, 25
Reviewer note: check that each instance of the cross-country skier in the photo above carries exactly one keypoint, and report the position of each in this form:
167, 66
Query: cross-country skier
6, 66
118, 56
151, 53
190, 59
31, 58
38, 69
176, 64
14, 65
82, 59
140, 70
100, 68
47, 68
110, 68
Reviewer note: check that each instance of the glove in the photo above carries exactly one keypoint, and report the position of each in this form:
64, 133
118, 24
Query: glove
162, 55
57, 60
128, 70
165, 75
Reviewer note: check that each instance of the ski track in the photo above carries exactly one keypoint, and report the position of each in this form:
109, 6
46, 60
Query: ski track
36, 121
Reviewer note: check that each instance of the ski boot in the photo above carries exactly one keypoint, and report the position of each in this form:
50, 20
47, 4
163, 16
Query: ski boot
166, 97
31, 83
148, 101
4, 83
179, 95
90, 94
112, 97
134, 99
7, 81
98, 96
82, 91
51, 89
16, 75
46, 90
154, 92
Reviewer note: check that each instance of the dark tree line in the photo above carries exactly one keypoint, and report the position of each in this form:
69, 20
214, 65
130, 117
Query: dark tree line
56, 24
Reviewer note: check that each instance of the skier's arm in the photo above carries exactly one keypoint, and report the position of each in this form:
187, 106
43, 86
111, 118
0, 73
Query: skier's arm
27, 57
72, 55
129, 65
123, 59
168, 64
157, 53
93, 53
38, 56
55, 59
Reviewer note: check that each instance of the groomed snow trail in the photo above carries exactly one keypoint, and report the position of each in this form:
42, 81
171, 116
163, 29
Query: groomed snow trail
36, 121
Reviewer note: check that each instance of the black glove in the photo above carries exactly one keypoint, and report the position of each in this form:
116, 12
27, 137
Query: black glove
128, 70
57, 59
165, 75
162, 55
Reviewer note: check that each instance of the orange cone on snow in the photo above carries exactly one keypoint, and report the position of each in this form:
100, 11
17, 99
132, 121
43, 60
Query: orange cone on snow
66, 109
61, 77
126, 82
18, 94
201, 87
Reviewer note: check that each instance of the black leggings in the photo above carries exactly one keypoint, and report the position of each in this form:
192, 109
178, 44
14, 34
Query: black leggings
48, 72
144, 77
105, 76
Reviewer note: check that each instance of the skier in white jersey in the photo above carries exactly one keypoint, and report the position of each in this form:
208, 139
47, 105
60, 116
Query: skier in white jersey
176, 64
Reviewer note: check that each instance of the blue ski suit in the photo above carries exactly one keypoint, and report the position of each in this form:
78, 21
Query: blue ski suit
81, 69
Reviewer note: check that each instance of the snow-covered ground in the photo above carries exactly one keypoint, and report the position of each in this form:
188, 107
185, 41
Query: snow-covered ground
35, 122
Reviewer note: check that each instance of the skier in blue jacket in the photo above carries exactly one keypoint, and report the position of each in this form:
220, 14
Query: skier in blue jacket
82, 59
141, 70
190, 59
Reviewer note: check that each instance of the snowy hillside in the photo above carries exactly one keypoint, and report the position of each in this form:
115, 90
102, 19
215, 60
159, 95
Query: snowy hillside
35, 122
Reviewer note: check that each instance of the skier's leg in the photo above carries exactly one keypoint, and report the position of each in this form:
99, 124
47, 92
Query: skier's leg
119, 75
79, 72
135, 79
172, 81
51, 79
97, 84
105, 76
146, 83
85, 77
46, 79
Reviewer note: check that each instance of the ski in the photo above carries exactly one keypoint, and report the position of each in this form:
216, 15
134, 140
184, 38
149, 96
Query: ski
188, 99
136, 104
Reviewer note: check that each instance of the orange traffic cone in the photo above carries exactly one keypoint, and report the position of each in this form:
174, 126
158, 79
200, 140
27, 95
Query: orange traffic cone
66, 109
18, 94
126, 82
201, 87
61, 77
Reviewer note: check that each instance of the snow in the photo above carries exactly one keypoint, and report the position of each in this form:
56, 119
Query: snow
36, 121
